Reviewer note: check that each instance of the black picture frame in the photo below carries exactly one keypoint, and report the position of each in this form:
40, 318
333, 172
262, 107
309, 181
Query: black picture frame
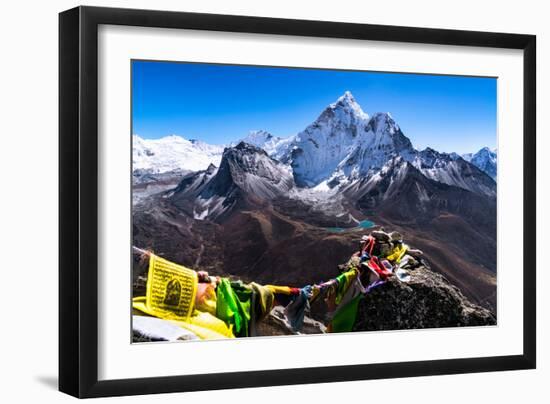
78, 200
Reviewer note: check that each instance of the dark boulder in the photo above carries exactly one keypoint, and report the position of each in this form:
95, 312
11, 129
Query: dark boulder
428, 300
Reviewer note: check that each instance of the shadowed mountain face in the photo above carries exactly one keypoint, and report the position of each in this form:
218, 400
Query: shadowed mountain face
247, 177
272, 220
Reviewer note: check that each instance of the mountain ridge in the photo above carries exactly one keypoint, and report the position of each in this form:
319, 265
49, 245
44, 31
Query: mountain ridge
344, 144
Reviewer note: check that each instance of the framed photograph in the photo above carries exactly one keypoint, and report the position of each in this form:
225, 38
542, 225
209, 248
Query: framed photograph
251, 201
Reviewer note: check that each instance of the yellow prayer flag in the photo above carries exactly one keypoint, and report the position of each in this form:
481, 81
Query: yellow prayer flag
171, 289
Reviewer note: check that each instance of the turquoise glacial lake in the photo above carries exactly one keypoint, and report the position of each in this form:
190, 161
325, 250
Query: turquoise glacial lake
363, 224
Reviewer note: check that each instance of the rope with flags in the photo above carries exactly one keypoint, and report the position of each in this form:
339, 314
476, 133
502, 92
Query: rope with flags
203, 306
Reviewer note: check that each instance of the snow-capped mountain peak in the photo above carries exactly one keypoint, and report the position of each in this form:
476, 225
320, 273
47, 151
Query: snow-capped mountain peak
316, 151
346, 104
346, 98
344, 110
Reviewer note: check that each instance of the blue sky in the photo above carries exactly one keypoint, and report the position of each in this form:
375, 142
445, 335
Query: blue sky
222, 103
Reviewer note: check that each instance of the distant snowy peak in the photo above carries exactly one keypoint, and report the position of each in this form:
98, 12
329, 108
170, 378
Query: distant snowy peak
275, 146
173, 153
485, 159
259, 138
205, 147
484, 150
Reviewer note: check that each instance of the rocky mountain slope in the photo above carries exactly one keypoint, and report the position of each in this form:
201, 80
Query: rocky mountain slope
246, 175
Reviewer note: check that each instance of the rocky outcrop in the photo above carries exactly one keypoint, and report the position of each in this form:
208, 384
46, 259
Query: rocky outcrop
428, 300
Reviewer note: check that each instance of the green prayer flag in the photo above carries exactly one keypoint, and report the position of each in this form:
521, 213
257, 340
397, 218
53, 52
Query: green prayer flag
344, 319
233, 305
